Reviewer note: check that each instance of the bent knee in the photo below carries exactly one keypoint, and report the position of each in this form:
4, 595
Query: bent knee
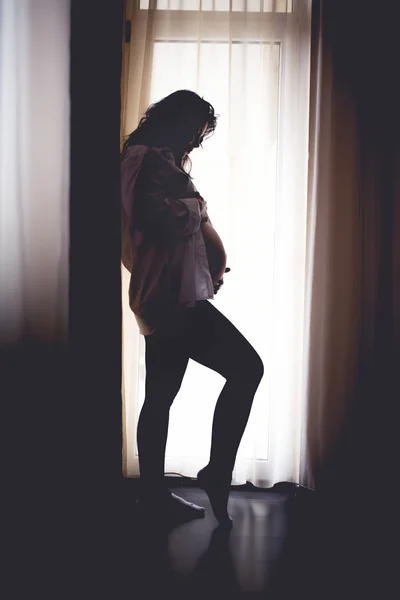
257, 368
250, 370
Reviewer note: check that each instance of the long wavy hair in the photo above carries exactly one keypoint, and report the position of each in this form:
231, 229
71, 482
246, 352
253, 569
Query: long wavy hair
173, 122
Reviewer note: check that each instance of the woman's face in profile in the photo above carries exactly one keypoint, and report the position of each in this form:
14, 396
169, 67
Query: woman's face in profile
196, 141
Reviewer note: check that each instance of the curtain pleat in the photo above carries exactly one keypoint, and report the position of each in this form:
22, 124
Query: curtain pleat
353, 313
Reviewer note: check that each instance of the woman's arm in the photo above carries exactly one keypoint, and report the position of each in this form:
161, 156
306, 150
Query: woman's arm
171, 216
162, 205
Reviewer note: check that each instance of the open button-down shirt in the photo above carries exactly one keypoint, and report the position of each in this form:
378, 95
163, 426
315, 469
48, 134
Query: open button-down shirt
162, 242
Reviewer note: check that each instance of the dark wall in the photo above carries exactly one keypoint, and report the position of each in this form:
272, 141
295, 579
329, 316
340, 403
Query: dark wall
95, 298
95, 289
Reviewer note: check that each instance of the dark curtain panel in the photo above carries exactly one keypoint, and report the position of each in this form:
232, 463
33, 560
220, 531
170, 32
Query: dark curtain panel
354, 161
341, 544
361, 40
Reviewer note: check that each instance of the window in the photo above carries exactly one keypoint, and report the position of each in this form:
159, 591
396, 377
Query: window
252, 64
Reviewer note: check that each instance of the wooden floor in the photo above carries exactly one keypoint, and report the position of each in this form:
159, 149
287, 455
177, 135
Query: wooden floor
197, 560
279, 548
202, 560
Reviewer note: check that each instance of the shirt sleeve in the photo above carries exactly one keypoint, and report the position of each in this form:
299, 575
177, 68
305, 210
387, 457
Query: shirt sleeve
163, 205
171, 216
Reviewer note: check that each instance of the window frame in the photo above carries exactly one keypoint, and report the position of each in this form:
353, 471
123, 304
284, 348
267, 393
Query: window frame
151, 25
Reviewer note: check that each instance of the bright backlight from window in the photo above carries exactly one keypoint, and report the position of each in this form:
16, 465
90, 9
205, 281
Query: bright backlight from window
278, 6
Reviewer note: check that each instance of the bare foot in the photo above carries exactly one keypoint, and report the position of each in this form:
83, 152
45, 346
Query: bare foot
218, 493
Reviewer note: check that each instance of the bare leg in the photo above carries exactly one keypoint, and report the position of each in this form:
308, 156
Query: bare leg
218, 345
166, 362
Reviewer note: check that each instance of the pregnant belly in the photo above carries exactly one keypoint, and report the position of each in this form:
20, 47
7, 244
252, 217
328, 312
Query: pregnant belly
215, 253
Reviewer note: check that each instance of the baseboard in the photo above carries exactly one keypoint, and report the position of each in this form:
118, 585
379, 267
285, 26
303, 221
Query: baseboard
178, 481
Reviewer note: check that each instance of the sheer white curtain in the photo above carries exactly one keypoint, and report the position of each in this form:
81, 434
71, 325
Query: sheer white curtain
250, 60
34, 169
